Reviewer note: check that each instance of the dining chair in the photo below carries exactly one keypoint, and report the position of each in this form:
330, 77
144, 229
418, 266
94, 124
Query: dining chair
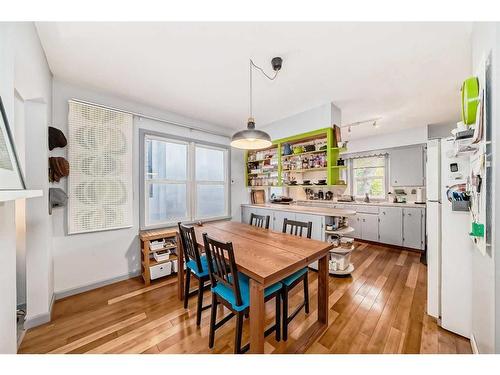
196, 265
261, 221
231, 288
301, 229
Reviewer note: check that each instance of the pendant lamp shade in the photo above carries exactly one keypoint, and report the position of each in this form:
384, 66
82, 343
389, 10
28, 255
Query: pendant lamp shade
250, 138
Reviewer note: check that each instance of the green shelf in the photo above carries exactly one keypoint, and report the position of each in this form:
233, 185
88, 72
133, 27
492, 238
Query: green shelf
304, 153
332, 155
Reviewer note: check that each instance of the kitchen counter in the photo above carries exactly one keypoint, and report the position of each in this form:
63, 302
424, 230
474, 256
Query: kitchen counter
322, 211
378, 204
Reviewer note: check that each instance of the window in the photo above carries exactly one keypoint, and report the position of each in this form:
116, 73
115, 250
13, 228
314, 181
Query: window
183, 181
368, 176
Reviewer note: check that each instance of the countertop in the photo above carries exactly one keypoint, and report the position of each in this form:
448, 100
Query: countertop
322, 211
379, 204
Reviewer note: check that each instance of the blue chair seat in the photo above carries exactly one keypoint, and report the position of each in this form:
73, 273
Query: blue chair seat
227, 293
194, 268
287, 281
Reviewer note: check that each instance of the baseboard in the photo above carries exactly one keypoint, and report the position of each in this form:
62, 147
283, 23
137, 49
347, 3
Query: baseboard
85, 288
473, 344
39, 319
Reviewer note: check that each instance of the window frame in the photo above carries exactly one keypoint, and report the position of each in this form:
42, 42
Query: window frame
191, 182
351, 177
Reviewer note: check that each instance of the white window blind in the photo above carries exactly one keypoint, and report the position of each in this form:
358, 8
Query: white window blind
100, 179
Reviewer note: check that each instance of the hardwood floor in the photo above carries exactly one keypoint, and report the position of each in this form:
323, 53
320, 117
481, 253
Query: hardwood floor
380, 309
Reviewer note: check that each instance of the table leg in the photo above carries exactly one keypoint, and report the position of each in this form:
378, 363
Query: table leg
323, 290
256, 317
180, 268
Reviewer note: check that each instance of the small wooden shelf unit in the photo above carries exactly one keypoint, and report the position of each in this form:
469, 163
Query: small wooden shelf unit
146, 261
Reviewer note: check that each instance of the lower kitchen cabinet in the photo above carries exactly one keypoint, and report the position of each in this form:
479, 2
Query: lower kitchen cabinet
318, 225
413, 220
369, 227
390, 225
278, 218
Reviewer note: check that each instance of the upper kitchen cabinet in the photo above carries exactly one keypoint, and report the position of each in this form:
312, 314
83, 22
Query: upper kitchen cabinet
406, 166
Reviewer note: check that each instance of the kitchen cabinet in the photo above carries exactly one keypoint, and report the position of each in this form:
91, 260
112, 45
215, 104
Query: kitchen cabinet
406, 166
318, 225
279, 217
355, 223
412, 228
369, 227
390, 225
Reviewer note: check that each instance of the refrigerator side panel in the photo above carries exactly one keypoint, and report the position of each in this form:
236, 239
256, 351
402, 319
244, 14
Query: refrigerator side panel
433, 220
433, 170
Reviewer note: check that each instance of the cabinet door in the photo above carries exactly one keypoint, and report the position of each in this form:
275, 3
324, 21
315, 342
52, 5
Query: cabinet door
406, 166
355, 222
369, 227
278, 218
245, 214
412, 228
390, 226
318, 224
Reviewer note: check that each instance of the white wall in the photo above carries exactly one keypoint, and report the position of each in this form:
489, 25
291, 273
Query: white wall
397, 139
484, 39
87, 260
319, 117
23, 68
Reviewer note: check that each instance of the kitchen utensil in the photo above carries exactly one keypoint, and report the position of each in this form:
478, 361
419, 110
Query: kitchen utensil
321, 195
309, 148
320, 182
298, 150
329, 195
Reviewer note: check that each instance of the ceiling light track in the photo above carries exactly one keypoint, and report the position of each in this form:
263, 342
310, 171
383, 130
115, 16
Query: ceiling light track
372, 121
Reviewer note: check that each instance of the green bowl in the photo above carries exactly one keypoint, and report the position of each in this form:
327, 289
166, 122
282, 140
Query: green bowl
470, 100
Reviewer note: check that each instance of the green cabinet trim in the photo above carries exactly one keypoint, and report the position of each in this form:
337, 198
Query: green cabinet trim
332, 154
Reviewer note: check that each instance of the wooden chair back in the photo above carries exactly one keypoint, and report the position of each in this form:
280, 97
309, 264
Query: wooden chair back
189, 245
297, 228
261, 221
222, 265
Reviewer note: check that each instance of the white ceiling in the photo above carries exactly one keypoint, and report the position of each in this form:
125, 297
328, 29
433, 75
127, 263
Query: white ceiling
407, 73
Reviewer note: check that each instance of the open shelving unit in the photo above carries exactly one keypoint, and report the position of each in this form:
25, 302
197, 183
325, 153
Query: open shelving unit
147, 254
322, 139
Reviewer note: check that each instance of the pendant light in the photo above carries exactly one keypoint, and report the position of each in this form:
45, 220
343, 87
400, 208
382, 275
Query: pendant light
251, 138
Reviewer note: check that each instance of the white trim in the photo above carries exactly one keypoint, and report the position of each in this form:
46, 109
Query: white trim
38, 320
98, 284
473, 344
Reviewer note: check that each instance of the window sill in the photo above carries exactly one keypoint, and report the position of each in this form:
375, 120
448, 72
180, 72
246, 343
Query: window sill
174, 224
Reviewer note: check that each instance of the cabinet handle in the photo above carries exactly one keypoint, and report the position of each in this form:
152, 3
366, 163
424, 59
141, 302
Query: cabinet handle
409, 214
363, 220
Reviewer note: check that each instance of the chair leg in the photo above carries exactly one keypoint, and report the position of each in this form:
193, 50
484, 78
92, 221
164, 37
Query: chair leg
213, 316
186, 288
306, 293
285, 313
278, 317
201, 282
239, 332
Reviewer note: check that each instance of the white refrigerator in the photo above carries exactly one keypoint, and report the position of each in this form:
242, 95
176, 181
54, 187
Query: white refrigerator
449, 247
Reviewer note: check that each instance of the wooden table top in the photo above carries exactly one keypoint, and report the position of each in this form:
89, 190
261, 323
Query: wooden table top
261, 254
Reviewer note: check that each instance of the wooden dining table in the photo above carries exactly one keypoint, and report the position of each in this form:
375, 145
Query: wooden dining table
267, 257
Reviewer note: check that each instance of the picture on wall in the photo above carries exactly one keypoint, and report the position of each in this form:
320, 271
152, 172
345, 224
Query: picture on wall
11, 177
100, 173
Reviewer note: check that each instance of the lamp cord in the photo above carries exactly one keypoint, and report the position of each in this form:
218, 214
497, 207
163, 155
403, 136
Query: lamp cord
271, 78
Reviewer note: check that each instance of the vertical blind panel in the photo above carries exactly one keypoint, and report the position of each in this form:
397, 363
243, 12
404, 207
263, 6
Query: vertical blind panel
100, 179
